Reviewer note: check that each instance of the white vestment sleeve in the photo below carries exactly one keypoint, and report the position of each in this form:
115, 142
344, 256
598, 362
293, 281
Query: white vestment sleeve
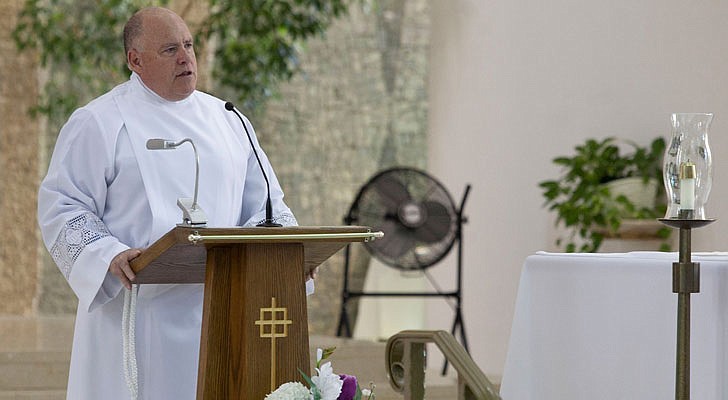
71, 202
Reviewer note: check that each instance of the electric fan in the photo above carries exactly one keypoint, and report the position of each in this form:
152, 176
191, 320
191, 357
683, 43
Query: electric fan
416, 214
420, 224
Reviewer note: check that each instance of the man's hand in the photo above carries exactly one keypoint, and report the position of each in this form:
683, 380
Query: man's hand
312, 273
120, 267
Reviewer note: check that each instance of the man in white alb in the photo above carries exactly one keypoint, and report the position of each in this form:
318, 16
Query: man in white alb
106, 196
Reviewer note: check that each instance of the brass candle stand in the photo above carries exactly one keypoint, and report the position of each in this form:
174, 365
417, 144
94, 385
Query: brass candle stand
685, 281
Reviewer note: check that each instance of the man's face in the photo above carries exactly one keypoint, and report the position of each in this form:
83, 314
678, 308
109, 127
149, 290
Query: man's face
164, 58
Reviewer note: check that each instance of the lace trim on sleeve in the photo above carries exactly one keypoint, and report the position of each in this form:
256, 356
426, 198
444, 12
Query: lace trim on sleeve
285, 219
74, 237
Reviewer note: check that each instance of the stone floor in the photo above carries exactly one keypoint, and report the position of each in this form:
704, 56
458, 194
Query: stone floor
35, 353
34, 357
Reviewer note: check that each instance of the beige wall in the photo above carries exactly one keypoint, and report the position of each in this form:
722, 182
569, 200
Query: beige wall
515, 83
18, 172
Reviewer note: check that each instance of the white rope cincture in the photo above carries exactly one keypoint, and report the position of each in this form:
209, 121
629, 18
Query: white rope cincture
128, 323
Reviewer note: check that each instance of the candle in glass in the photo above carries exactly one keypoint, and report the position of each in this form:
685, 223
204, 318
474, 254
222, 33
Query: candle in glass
687, 190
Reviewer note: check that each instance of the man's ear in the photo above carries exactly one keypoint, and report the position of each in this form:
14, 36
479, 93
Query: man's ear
134, 60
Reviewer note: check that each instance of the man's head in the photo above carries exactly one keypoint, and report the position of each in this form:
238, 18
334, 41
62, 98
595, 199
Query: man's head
159, 49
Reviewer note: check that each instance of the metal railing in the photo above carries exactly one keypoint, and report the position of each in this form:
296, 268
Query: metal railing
405, 364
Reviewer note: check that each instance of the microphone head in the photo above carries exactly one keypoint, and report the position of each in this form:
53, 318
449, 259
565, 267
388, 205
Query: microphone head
229, 106
158, 144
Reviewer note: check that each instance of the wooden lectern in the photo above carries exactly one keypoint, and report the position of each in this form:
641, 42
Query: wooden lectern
254, 320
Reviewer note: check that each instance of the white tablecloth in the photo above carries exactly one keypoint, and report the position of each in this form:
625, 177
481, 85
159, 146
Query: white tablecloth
603, 326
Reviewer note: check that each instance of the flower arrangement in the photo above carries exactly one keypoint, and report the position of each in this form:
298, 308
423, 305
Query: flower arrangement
325, 385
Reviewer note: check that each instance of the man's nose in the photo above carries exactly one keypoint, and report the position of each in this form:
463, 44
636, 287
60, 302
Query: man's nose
184, 56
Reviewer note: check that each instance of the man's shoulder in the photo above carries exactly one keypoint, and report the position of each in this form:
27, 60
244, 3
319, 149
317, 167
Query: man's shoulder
102, 112
216, 106
208, 98
106, 102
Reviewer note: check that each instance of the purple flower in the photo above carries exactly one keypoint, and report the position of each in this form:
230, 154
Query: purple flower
348, 389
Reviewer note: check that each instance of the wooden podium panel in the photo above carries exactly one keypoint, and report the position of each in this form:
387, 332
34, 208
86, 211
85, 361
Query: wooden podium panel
254, 321
255, 326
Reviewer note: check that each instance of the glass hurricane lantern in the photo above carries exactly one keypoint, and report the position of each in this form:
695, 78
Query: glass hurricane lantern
687, 173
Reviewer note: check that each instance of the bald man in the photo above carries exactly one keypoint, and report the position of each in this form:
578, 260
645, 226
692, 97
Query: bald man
106, 196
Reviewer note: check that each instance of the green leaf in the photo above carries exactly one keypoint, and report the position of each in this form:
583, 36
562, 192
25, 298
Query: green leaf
310, 383
327, 352
357, 394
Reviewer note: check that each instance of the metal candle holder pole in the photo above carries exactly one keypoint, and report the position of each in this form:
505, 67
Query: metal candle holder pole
685, 280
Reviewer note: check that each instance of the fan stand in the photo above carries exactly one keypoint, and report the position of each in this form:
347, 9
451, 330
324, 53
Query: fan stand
344, 327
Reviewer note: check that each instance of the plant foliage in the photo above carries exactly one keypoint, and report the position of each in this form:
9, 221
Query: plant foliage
582, 201
256, 44
256, 41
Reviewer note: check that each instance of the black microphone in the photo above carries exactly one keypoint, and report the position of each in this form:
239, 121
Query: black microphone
268, 222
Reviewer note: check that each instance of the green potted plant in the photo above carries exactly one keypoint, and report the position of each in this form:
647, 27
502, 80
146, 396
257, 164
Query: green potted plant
588, 202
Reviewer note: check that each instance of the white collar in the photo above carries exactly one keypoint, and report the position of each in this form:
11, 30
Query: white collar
151, 95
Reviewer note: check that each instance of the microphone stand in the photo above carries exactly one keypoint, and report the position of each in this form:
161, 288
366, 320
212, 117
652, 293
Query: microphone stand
268, 222
192, 213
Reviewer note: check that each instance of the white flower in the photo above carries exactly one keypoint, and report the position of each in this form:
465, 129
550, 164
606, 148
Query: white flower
328, 383
366, 392
290, 391
319, 355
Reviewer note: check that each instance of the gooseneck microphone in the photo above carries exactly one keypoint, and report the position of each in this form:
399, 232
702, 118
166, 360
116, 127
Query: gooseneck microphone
268, 222
192, 213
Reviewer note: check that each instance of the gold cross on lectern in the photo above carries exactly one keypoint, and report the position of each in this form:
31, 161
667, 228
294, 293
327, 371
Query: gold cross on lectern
269, 328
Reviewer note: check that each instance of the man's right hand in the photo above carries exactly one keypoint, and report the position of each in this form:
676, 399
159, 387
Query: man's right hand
121, 269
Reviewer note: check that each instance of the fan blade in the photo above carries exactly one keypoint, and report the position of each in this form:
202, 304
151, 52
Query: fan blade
437, 225
392, 192
397, 240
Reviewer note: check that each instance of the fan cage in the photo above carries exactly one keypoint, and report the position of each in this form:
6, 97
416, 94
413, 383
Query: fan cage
419, 186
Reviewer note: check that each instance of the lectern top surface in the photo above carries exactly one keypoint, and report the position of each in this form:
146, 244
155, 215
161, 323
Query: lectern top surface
178, 258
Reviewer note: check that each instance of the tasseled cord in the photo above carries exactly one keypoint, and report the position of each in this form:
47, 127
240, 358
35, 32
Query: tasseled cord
128, 323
